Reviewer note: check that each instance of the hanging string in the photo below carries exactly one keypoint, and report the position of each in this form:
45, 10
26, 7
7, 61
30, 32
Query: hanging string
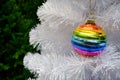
91, 17
92, 9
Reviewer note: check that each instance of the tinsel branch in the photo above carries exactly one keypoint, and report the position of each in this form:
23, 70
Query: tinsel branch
57, 60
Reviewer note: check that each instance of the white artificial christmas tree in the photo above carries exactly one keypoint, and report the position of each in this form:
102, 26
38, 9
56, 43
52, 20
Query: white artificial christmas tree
58, 60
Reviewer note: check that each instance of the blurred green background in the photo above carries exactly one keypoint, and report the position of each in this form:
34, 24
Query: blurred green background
17, 17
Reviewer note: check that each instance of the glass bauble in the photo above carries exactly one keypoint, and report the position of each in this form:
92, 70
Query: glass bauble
89, 39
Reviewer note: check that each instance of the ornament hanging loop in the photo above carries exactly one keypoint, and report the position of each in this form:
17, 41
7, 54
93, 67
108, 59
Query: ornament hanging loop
91, 11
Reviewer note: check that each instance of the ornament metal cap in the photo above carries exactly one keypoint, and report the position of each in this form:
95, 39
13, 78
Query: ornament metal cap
90, 21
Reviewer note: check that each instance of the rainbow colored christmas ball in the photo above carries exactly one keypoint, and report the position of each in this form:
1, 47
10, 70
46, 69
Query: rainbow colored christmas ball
89, 39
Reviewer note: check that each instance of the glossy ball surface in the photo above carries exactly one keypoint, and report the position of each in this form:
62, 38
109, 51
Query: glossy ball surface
89, 39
